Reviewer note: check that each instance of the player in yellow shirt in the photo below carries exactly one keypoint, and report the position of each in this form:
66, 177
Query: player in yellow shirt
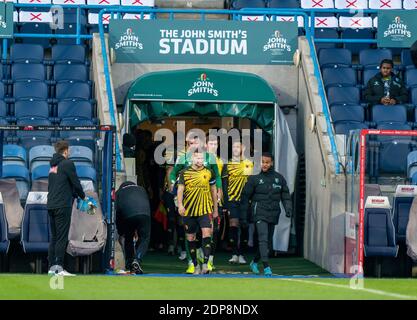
235, 175
197, 204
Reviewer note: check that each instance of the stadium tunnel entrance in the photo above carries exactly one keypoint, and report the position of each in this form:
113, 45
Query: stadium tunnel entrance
204, 98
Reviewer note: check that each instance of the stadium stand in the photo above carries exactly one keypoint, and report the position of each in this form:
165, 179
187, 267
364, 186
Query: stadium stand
403, 199
35, 234
4, 240
379, 228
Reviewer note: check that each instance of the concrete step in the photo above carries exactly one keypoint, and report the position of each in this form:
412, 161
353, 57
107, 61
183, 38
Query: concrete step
190, 4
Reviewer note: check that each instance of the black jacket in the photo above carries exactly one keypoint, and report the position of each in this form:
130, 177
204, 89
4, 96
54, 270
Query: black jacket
374, 91
265, 191
131, 200
63, 183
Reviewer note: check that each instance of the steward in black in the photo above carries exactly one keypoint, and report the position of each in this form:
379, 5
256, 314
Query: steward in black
265, 191
63, 183
133, 214
63, 187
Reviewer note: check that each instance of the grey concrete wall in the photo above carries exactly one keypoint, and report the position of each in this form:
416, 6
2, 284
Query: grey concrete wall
325, 192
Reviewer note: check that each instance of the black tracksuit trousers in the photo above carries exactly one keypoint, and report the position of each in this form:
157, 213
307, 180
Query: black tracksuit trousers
60, 221
265, 233
141, 224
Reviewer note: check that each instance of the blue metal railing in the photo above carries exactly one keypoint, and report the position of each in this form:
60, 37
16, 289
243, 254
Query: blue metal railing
309, 27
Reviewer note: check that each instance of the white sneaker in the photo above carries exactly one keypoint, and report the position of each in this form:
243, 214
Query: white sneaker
242, 260
65, 273
54, 270
183, 255
235, 259
171, 250
197, 269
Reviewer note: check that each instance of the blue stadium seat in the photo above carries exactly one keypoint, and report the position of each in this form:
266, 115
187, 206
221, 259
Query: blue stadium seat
35, 234
414, 96
28, 71
347, 113
368, 75
64, 72
411, 164
379, 228
392, 150
69, 54
284, 4
3, 91
325, 33
40, 155
36, 28
411, 78
334, 58
21, 175
81, 155
26, 108
406, 61
343, 96
30, 90
371, 58
343, 77
345, 127
86, 173
69, 28
26, 53
40, 172
73, 91
29, 139
239, 4
4, 240
75, 109
3, 109
382, 114
355, 48
79, 138
14, 154
403, 198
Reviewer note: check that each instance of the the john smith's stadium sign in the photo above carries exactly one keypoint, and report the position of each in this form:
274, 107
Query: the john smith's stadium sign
203, 42
396, 28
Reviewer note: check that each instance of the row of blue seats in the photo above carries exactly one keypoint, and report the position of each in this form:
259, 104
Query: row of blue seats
368, 58
81, 109
34, 53
42, 154
349, 77
41, 90
24, 178
38, 71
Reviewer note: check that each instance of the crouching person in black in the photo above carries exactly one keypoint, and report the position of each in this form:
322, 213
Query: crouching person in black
265, 191
133, 215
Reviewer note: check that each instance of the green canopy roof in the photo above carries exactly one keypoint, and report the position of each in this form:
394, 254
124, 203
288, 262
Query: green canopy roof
201, 92
201, 85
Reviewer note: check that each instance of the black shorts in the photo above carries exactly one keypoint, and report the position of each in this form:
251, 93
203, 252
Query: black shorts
191, 223
234, 210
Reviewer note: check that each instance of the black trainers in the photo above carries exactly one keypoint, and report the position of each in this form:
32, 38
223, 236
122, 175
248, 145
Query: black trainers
135, 267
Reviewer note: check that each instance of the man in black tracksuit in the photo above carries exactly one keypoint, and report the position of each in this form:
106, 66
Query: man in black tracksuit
133, 214
386, 88
265, 191
63, 187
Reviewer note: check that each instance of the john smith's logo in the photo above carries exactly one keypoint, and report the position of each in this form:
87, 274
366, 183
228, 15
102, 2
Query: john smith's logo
129, 42
203, 85
277, 43
397, 30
